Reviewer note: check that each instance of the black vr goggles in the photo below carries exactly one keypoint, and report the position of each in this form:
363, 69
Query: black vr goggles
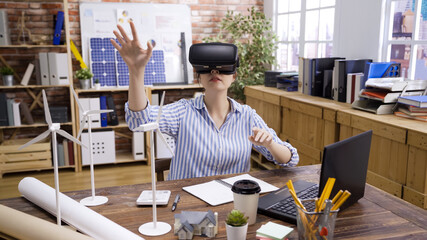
206, 57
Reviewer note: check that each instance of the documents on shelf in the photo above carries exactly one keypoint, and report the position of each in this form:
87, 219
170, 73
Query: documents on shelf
217, 193
396, 84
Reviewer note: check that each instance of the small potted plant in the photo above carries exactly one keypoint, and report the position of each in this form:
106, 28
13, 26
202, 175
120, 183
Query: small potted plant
236, 225
97, 84
7, 74
84, 75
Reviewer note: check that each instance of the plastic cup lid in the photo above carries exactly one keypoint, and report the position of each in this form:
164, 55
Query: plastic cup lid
246, 186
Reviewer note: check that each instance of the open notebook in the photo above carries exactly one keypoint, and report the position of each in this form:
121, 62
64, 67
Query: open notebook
217, 192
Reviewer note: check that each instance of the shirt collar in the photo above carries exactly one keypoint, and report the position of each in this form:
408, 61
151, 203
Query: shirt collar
199, 104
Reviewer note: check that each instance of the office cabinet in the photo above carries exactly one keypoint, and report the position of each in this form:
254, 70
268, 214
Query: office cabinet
398, 157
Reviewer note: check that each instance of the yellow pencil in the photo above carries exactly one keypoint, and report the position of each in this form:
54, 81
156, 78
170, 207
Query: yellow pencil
325, 193
337, 196
342, 199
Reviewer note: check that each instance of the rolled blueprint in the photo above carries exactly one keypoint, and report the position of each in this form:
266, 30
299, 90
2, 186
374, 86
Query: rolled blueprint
73, 213
23, 226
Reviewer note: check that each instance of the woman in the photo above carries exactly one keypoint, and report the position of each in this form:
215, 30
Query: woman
214, 134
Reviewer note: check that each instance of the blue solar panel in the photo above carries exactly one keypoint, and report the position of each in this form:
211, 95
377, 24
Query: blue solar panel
108, 66
155, 69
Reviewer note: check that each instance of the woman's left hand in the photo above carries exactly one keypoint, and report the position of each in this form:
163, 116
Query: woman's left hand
261, 137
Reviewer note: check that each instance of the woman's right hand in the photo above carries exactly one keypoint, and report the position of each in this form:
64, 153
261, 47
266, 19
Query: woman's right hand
135, 57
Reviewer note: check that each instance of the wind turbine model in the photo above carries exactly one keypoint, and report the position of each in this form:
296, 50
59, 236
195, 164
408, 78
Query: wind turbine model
86, 116
54, 128
154, 228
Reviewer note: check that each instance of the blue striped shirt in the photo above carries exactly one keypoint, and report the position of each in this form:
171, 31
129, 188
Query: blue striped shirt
201, 148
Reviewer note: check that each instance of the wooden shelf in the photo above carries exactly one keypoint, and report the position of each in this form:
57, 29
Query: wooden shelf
33, 46
33, 125
127, 158
153, 88
33, 86
121, 125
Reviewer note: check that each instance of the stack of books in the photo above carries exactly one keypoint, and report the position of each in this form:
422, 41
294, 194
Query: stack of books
413, 107
272, 231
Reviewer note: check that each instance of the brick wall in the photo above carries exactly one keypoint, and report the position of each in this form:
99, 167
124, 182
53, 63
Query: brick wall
205, 16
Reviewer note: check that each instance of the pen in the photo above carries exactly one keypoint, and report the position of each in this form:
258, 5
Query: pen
175, 202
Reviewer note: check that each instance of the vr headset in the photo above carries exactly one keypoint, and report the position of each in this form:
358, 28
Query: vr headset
206, 57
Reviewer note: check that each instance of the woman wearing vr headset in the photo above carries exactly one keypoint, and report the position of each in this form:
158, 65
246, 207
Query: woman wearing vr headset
213, 133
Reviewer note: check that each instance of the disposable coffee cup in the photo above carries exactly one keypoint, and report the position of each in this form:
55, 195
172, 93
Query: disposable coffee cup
246, 195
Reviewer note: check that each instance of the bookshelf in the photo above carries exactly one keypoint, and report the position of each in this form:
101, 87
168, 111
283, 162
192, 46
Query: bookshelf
18, 56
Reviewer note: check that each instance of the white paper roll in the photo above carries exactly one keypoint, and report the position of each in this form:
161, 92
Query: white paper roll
74, 213
20, 225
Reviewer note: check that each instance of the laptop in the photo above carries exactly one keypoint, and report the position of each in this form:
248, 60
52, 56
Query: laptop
346, 161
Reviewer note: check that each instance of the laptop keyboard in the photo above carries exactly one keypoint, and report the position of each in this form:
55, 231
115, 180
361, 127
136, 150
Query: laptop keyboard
287, 205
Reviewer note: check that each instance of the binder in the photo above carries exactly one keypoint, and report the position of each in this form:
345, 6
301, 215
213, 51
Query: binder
44, 69
58, 68
4, 119
114, 121
10, 112
4, 28
27, 75
91, 104
103, 106
308, 74
58, 28
70, 152
16, 112
345, 67
320, 66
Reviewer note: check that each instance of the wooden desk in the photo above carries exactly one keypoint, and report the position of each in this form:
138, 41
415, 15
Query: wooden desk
378, 215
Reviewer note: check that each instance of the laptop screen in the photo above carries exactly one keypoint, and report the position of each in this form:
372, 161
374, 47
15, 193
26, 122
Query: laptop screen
347, 162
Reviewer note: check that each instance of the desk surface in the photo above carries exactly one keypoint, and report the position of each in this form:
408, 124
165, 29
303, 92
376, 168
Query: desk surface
378, 215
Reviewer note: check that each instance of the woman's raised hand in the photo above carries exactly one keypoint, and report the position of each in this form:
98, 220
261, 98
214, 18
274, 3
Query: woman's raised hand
135, 57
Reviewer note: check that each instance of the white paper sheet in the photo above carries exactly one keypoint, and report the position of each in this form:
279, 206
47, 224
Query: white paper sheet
215, 193
73, 213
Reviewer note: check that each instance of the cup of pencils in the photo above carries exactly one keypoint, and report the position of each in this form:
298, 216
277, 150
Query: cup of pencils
315, 225
316, 217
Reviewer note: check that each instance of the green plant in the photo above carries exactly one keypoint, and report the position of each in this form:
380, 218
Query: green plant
84, 73
6, 71
97, 80
256, 41
236, 218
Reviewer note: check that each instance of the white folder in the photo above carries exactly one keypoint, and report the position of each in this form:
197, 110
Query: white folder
16, 112
44, 68
58, 68
92, 104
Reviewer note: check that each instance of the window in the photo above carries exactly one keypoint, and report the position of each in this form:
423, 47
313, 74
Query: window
405, 36
304, 28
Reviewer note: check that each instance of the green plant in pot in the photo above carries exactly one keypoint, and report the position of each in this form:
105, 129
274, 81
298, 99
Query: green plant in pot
84, 75
236, 225
256, 41
7, 73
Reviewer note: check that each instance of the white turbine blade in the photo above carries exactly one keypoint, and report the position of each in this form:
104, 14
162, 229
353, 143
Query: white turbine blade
82, 126
81, 108
161, 106
46, 109
67, 135
164, 141
90, 112
36, 139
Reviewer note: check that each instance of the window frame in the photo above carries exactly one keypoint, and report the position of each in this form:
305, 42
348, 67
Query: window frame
302, 39
414, 42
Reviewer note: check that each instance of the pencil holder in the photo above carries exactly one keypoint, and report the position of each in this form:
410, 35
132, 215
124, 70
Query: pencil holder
315, 225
